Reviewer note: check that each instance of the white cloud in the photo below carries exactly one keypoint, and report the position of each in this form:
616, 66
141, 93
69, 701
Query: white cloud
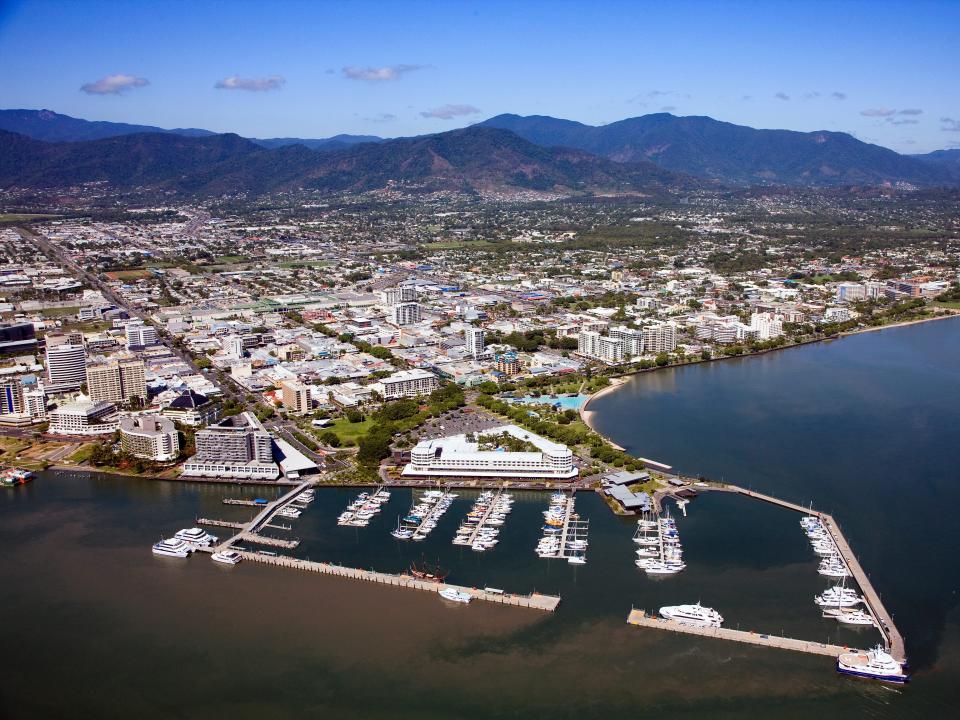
114, 84
448, 112
378, 74
263, 84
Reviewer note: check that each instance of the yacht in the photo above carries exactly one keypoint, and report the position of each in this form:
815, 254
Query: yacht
577, 560
227, 557
838, 596
694, 614
195, 536
454, 595
172, 547
662, 568
833, 567
875, 664
849, 617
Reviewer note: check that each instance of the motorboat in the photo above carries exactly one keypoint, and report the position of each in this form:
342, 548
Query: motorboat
849, 617
227, 557
196, 537
875, 664
695, 614
173, 547
833, 568
454, 595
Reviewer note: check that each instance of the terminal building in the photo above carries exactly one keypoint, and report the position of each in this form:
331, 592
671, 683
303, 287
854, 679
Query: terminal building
458, 456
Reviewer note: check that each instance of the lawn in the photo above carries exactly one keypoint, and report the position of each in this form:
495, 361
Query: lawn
459, 245
347, 430
11, 447
82, 455
128, 275
60, 311
17, 218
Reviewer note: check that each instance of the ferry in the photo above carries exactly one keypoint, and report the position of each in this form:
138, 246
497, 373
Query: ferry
12, 477
227, 557
694, 614
196, 537
172, 547
454, 595
875, 664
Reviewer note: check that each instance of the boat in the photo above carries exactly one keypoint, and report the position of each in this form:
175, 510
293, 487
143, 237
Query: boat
196, 537
695, 614
875, 664
227, 557
849, 617
172, 547
454, 595
425, 571
12, 477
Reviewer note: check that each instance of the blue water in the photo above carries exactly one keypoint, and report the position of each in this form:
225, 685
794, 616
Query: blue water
565, 403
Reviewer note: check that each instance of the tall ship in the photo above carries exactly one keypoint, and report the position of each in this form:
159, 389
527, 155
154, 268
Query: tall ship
426, 571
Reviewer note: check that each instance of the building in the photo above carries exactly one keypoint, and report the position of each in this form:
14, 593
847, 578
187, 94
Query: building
296, 396
766, 325
236, 447
851, 292
17, 337
632, 340
474, 337
11, 397
409, 383
83, 416
117, 381
396, 295
19, 406
460, 456
151, 437
139, 335
660, 338
507, 363
407, 313
193, 409
600, 347
66, 364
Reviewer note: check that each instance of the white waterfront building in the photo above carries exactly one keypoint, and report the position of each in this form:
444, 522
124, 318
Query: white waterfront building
409, 383
456, 456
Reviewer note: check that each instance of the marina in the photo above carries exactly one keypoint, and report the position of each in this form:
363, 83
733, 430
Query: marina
364, 508
481, 527
565, 534
659, 551
422, 517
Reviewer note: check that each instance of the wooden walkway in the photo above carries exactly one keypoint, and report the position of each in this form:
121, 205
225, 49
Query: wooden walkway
221, 523
269, 541
642, 619
534, 601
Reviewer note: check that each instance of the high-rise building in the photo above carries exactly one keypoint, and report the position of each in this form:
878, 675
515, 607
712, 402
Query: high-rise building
296, 396
236, 447
406, 313
632, 340
11, 397
396, 295
140, 334
66, 364
117, 380
150, 436
409, 383
660, 338
474, 337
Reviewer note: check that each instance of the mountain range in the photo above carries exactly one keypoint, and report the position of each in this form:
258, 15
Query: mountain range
651, 153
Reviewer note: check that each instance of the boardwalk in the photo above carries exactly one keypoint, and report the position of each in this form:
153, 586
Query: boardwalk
269, 541
534, 601
642, 619
221, 523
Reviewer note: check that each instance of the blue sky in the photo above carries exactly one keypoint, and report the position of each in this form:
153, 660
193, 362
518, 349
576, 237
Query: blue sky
888, 72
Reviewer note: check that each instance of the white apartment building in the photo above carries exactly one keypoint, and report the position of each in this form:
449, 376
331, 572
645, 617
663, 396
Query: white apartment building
766, 325
66, 364
851, 292
456, 456
407, 313
236, 447
396, 295
660, 338
632, 340
474, 337
409, 383
151, 437
139, 334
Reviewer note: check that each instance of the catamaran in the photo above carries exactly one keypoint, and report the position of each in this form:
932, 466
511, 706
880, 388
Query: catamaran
173, 547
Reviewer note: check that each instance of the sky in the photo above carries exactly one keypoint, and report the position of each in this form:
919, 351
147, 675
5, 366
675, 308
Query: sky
886, 72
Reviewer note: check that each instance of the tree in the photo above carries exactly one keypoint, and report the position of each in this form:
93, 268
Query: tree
662, 359
330, 438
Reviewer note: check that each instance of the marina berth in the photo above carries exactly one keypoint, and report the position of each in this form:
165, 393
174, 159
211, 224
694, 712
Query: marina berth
482, 525
564, 533
659, 552
422, 518
364, 508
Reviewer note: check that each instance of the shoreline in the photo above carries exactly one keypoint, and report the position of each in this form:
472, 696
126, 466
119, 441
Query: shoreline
588, 416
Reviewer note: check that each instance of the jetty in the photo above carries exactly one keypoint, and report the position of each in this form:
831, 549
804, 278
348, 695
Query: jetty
534, 601
486, 516
263, 517
644, 619
221, 523
240, 501
269, 541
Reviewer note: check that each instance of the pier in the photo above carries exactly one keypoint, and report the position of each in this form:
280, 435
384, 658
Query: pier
643, 619
238, 501
264, 516
534, 601
221, 523
569, 524
893, 640
269, 541
486, 516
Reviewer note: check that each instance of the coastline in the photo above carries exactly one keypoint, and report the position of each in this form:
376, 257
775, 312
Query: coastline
588, 416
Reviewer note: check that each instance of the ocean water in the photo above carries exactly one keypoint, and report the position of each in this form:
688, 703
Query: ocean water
866, 427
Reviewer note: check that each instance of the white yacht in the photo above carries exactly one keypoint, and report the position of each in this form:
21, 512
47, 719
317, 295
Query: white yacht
838, 596
849, 617
172, 547
876, 664
195, 536
833, 567
454, 595
694, 614
227, 557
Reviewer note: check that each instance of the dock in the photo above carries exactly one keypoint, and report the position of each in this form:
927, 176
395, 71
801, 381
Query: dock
432, 514
269, 541
263, 517
486, 516
238, 501
221, 523
534, 601
643, 619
